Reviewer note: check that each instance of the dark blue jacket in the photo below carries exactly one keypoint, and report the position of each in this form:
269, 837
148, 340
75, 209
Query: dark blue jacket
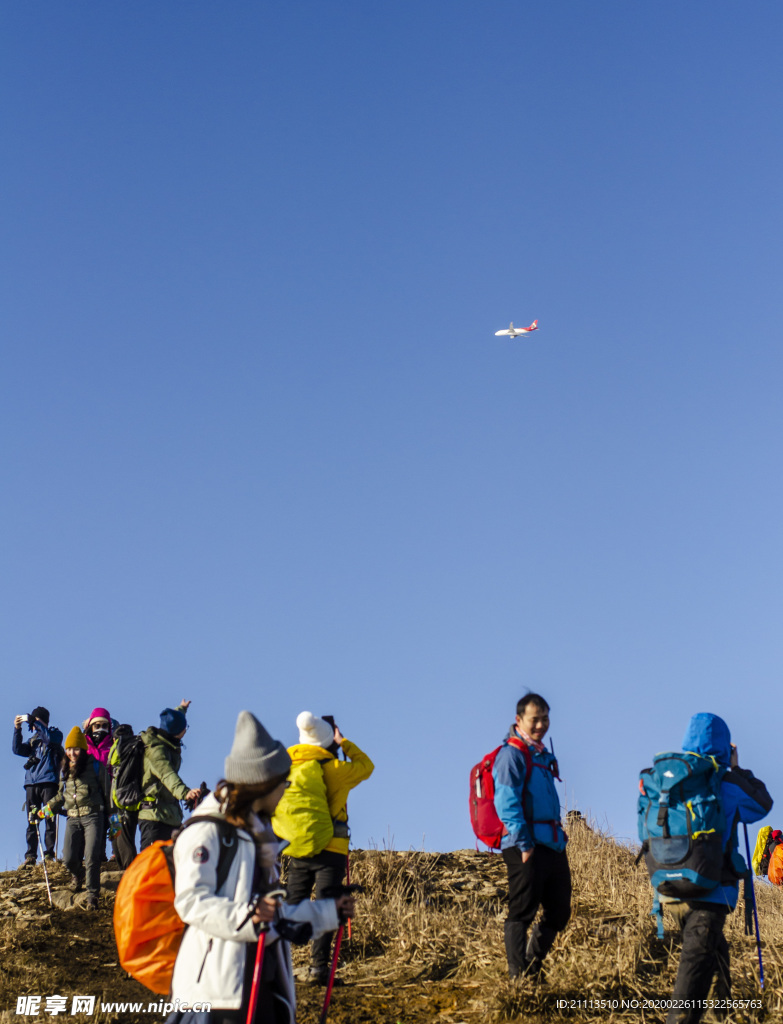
744, 797
541, 823
46, 744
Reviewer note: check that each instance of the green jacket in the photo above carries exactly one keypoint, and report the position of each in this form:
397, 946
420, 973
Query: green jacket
80, 795
163, 788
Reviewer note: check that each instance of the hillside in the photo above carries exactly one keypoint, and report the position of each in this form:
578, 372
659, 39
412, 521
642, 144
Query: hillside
427, 946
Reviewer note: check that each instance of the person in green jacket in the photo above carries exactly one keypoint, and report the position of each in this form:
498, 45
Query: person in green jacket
161, 814
81, 796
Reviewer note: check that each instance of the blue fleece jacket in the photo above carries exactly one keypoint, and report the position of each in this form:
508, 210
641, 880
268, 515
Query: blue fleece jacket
744, 797
541, 824
46, 743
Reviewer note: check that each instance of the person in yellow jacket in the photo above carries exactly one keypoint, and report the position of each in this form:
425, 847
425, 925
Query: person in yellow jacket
313, 818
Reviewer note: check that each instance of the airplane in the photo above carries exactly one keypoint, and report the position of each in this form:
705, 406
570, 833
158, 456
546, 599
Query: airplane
514, 332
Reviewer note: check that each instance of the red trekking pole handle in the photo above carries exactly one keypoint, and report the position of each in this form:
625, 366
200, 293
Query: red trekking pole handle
332, 972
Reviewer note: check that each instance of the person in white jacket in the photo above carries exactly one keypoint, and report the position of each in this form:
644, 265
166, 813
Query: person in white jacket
217, 956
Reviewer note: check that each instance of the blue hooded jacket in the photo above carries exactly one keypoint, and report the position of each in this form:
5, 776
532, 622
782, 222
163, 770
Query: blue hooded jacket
46, 744
744, 797
542, 823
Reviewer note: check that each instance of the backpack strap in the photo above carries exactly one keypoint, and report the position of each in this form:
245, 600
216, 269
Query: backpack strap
657, 913
229, 843
518, 744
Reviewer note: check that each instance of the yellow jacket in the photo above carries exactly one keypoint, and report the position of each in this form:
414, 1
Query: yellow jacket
313, 813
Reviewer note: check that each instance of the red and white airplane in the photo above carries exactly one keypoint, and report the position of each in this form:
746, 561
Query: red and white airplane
514, 332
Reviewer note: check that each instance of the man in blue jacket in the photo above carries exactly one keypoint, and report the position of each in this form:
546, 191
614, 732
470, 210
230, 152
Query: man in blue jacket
534, 846
705, 951
44, 752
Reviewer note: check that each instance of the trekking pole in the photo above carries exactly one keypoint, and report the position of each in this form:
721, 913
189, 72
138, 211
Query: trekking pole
332, 972
348, 882
334, 892
251, 1006
755, 909
43, 860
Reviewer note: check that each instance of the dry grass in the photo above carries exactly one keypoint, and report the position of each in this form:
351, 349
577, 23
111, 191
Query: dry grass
428, 945
437, 916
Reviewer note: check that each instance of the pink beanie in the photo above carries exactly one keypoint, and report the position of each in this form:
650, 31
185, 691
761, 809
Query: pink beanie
99, 713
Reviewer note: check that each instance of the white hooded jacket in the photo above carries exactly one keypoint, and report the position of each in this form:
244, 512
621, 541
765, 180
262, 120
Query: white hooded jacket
210, 964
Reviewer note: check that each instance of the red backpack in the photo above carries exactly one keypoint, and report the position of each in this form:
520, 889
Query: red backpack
483, 816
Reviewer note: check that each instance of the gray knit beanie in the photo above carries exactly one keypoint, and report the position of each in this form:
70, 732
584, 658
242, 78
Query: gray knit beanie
255, 757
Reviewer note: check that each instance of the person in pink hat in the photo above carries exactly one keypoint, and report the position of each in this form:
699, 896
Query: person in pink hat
98, 733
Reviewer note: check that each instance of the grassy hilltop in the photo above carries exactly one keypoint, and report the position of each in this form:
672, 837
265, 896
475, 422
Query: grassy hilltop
427, 946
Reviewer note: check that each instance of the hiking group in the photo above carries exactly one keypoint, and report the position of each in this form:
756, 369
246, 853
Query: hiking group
231, 923
228, 922
82, 779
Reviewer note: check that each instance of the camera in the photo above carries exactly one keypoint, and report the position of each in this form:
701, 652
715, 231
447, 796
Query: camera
31, 762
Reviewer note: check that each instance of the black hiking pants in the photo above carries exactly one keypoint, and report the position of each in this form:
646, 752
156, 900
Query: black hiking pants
38, 795
543, 881
151, 831
705, 954
302, 874
125, 840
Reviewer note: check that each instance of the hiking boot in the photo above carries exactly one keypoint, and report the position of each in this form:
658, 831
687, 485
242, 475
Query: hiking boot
29, 862
91, 903
77, 883
50, 858
319, 976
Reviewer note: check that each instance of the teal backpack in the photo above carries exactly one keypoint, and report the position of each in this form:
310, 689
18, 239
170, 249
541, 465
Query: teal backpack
682, 823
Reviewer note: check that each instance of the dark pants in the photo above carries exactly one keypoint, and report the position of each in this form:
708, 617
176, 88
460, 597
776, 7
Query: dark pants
84, 842
705, 953
321, 871
543, 881
125, 840
151, 831
38, 795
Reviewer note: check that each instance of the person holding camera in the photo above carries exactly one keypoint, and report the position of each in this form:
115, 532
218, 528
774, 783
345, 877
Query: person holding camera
160, 814
313, 817
43, 751
81, 797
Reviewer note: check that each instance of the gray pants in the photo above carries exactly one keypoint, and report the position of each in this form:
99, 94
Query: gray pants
705, 954
84, 842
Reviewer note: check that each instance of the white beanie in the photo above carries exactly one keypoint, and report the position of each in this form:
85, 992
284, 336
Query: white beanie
314, 730
255, 757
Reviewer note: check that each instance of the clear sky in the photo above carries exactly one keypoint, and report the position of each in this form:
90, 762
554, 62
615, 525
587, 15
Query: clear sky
261, 448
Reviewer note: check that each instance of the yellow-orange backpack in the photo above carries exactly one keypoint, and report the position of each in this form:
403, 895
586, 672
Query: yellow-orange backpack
147, 928
775, 870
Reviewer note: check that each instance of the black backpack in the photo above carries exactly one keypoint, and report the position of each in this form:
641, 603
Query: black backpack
774, 840
126, 759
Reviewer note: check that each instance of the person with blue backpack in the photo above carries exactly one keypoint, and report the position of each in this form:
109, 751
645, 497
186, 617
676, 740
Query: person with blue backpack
534, 843
690, 806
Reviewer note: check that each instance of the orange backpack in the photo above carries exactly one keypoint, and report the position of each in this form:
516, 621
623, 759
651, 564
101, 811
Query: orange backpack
147, 928
775, 870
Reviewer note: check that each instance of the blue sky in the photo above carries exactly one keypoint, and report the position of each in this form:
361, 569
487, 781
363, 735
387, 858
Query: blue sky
261, 447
